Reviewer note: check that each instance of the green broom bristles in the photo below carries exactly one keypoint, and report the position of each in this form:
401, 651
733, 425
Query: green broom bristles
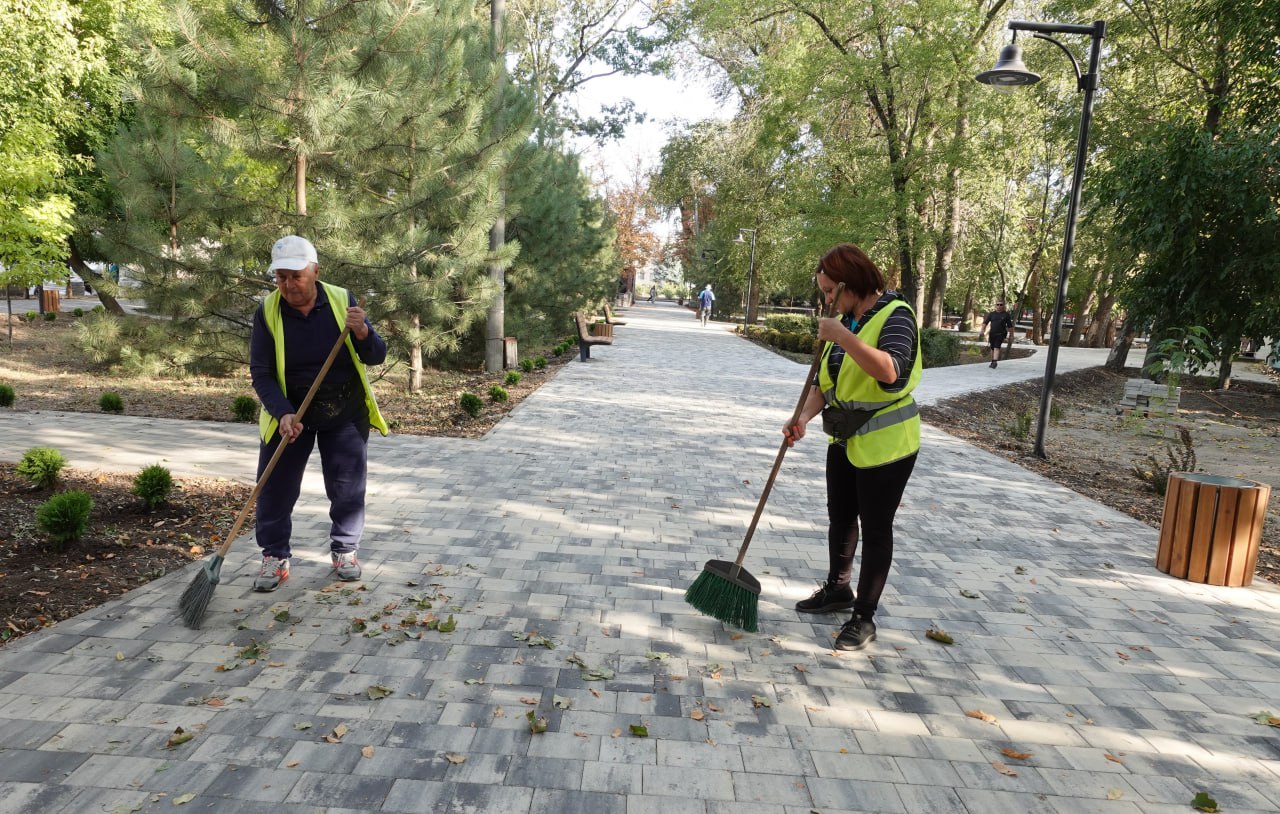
721, 599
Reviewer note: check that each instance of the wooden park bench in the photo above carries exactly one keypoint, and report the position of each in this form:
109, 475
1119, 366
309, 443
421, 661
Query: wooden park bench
586, 338
609, 317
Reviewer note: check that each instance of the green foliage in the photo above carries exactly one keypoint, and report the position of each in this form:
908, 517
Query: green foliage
153, 485
526, 365
110, 402
77, 312
512, 378
41, 466
792, 323
6, 395
540, 362
1180, 458
471, 404
65, 516
1020, 429
939, 348
244, 408
30, 316
498, 394
1188, 351
143, 346
50, 316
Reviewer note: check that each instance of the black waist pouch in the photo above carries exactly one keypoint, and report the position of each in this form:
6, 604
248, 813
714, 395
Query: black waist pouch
842, 424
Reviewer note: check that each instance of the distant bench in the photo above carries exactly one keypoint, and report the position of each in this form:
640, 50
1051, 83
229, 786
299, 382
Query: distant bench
586, 339
609, 318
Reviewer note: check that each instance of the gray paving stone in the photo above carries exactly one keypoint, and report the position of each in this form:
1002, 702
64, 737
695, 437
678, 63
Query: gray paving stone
532, 528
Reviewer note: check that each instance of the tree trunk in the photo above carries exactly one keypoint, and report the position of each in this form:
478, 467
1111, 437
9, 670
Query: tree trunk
946, 248
76, 261
967, 316
1120, 350
1086, 303
1224, 365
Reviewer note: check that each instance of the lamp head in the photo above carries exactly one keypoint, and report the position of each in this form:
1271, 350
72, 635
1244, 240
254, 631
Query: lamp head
739, 238
1009, 71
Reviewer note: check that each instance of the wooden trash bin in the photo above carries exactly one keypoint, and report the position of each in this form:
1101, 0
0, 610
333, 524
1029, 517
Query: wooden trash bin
601, 329
50, 301
1212, 527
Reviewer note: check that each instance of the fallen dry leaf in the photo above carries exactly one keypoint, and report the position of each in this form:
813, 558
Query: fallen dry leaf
1112, 758
293, 764
697, 715
616, 732
1003, 769
456, 759
524, 699
1015, 754
367, 751
981, 716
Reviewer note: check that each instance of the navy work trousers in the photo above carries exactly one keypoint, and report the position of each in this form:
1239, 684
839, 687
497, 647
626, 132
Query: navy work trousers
870, 497
344, 448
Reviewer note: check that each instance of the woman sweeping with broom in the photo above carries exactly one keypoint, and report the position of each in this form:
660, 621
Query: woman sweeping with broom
869, 367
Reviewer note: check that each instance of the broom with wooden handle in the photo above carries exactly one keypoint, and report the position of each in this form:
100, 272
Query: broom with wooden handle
195, 599
725, 590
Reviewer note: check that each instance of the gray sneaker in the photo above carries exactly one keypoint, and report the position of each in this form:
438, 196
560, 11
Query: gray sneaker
347, 566
271, 574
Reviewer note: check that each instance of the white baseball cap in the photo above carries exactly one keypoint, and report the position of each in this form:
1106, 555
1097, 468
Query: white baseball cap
293, 253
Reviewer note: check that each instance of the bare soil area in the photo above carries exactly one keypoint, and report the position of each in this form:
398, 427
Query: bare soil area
1092, 449
125, 545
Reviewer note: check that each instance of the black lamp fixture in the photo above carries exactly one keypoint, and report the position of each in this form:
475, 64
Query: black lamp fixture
1009, 72
751, 273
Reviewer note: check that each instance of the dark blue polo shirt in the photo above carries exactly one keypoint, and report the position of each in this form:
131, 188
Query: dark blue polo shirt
307, 342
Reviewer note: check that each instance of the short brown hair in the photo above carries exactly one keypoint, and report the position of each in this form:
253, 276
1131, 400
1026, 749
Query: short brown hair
846, 263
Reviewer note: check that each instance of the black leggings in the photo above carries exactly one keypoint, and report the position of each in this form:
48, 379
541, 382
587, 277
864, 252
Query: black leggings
872, 496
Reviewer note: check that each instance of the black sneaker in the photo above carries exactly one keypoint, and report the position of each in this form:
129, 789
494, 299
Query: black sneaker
993, 362
827, 598
856, 634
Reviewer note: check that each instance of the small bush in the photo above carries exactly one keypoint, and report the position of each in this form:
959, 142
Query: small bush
526, 365
30, 316
557, 350
498, 393
65, 516
153, 485
1021, 426
50, 316
98, 309
41, 466
1179, 459
792, 323
471, 404
512, 378
6, 395
939, 348
244, 408
111, 403
77, 312
540, 362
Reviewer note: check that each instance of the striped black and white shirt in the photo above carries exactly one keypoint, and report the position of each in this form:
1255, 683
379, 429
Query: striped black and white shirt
897, 338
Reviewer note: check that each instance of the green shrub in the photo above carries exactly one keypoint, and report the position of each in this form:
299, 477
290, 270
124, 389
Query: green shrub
98, 309
557, 350
1021, 426
512, 378
30, 316
111, 403
244, 408
153, 485
497, 393
65, 516
41, 466
50, 316
526, 365
77, 312
471, 404
6, 395
939, 348
792, 323
540, 362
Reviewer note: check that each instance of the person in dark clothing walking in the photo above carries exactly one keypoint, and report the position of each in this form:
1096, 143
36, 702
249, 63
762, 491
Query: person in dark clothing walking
869, 367
1000, 322
293, 332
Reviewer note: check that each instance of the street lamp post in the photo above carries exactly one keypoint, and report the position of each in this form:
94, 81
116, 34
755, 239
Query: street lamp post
1010, 72
751, 274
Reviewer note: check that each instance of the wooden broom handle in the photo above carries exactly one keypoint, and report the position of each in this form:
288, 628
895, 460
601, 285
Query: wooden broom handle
782, 450
275, 457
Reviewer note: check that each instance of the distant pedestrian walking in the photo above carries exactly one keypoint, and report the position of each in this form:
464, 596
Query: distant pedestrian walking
706, 298
1000, 323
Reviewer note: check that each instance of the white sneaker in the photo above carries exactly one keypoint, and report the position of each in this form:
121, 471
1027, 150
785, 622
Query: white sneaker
272, 573
347, 566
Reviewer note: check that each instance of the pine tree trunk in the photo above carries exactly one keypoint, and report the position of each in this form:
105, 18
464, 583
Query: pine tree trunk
1120, 350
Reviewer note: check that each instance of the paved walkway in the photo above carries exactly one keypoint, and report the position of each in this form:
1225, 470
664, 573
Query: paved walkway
561, 545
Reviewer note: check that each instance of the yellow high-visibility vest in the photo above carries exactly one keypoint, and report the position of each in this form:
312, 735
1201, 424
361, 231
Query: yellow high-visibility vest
267, 423
893, 432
